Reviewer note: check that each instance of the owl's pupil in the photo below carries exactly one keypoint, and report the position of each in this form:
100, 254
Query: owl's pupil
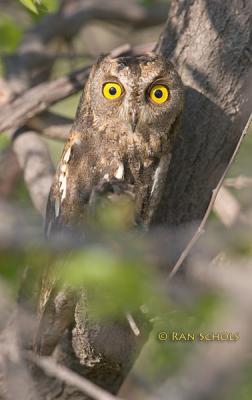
158, 93
112, 91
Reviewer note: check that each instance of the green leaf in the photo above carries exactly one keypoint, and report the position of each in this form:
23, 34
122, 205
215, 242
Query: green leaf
35, 6
51, 5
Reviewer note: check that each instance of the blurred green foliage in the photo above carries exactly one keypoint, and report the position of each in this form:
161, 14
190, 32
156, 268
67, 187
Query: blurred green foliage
33, 5
243, 391
120, 282
242, 163
120, 276
12, 267
4, 142
40, 6
163, 358
10, 33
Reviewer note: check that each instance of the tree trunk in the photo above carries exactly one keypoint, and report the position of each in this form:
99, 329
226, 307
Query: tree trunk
210, 43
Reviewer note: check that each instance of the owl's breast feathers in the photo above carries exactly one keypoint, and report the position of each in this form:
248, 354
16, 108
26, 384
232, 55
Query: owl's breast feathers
89, 159
83, 165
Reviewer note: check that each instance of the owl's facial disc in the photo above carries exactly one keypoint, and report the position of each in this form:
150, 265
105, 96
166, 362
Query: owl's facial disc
136, 93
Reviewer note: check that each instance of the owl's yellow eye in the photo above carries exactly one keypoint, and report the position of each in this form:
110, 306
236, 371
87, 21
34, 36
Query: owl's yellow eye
159, 94
112, 90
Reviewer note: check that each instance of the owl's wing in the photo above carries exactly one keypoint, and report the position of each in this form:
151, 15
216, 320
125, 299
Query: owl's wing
56, 304
63, 201
51, 221
81, 180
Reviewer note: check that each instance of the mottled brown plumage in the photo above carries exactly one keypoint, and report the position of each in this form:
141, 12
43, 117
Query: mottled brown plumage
115, 144
129, 138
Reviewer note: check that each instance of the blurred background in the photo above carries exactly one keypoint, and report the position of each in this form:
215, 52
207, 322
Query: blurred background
215, 305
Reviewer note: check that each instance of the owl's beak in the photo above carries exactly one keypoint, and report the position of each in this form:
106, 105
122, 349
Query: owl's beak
133, 120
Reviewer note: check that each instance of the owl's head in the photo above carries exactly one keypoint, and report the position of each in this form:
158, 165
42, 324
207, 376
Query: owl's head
137, 93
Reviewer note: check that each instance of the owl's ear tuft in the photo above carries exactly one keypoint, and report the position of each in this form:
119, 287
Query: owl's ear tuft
101, 58
94, 69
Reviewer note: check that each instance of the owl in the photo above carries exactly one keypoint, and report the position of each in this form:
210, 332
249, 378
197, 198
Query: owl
124, 130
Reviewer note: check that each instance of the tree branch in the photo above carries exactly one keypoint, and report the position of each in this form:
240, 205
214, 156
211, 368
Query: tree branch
51, 125
35, 160
66, 23
51, 368
40, 97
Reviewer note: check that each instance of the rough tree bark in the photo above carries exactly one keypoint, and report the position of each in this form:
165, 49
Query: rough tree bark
210, 43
